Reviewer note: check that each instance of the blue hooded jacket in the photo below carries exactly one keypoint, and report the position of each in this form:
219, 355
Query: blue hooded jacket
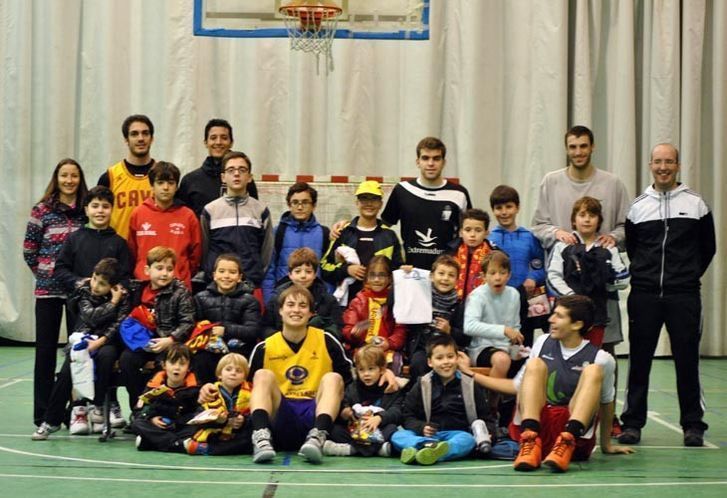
297, 234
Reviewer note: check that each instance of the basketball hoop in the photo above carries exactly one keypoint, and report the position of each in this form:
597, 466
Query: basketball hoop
311, 25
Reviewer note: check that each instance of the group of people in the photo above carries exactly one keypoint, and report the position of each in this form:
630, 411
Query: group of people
232, 337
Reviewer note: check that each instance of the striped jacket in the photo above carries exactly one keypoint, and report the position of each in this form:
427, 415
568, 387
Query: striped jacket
51, 222
240, 225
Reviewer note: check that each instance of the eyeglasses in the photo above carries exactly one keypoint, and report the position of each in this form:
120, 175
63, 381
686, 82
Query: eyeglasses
668, 162
303, 203
241, 170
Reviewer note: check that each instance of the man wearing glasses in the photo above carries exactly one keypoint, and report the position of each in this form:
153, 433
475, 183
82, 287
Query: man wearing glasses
238, 223
670, 241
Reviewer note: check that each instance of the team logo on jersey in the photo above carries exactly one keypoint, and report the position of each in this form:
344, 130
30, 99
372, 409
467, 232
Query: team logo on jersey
146, 230
296, 374
551, 393
446, 213
536, 264
426, 240
579, 368
176, 228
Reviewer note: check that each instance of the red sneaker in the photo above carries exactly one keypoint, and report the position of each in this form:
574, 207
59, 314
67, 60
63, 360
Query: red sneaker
616, 428
531, 451
559, 458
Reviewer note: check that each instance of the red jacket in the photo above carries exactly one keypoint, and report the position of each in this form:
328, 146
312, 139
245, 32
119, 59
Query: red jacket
176, 228
358, 310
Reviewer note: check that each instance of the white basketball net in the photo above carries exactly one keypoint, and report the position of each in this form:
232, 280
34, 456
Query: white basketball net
311, 29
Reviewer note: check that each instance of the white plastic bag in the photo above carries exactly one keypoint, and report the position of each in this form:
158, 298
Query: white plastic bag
412, 297
81, 369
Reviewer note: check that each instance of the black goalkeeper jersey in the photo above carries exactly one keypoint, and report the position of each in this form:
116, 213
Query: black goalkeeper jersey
429, 218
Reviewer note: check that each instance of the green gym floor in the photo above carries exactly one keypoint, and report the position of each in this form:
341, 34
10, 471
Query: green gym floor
81, 466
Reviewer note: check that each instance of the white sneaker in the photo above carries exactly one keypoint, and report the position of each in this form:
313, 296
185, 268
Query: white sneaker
385, 450
43, 431
95, 415
262, 446
117, 418
337, 449
312, 449
482, 436
79, 421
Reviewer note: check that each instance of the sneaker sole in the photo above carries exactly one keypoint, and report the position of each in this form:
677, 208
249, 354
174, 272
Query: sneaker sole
43, 437
628, 439
429, 456
525, 467
554, 466
408, 456
311, 453
263, 457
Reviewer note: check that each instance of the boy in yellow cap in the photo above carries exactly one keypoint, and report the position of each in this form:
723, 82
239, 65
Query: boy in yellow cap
366, 236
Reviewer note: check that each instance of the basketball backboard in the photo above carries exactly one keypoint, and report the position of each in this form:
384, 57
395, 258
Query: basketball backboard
367, 19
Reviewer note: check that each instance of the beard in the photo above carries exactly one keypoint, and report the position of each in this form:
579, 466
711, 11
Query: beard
585, 165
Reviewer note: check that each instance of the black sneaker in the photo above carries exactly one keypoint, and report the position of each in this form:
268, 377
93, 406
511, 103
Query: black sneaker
630, 435
693, 437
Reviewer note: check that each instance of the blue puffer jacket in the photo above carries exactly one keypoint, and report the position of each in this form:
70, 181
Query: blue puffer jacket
306, 234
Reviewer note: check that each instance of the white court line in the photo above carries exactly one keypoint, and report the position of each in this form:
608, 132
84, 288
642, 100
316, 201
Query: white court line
122, 438
255, 468
377, 485
656, 418
11, 383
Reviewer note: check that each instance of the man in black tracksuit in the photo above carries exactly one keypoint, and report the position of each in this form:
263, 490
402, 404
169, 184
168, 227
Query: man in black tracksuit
670, 241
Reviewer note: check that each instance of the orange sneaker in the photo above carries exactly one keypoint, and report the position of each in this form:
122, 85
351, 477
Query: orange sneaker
559, 458
531, 452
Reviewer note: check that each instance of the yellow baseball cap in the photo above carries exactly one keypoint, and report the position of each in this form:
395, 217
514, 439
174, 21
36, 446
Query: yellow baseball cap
369, 187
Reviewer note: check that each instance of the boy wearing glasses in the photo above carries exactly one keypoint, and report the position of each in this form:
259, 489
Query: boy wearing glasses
366, 236
238, 223
298, 228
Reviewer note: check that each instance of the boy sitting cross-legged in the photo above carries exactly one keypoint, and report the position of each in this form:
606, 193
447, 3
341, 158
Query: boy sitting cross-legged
169, 402
173, 310
369, 416
442, 411
229, 434
564, 385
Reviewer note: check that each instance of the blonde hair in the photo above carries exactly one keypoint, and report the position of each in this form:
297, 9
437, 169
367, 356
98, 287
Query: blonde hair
370, 355
235, 359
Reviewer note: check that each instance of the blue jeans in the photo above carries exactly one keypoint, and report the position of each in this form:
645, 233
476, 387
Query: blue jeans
461, 443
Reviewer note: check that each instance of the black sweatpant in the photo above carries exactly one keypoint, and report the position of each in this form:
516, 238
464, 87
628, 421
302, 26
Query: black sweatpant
48, 316
156, 438
682, 316
104, 361
133, 375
